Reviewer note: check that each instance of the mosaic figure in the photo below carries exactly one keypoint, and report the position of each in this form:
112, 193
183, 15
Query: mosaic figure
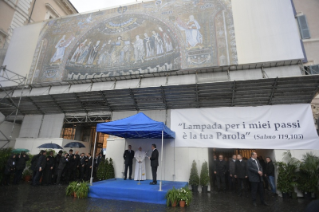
139, 49
60, 48
191, 29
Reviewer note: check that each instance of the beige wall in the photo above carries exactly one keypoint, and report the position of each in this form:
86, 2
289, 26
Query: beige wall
6, 15
40, 10
309, 8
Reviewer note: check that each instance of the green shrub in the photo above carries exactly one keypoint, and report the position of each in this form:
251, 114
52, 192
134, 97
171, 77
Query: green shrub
204, 177
4, 156
110, 170
194, 178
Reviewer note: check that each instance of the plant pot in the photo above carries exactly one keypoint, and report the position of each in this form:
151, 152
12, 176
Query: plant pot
194, 188
74, 194
285, 195
204, 189
174, 204
182, 204
307, 195
27, 178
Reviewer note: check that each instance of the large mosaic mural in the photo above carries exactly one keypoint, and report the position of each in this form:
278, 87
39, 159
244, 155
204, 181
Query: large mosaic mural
149, 37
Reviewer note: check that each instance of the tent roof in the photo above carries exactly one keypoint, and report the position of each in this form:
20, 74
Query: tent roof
136, 126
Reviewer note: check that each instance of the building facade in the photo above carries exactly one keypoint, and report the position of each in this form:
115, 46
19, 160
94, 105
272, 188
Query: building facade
16, 13
154, 57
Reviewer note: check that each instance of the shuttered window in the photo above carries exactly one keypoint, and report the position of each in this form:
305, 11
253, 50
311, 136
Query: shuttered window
303, 26
314, 69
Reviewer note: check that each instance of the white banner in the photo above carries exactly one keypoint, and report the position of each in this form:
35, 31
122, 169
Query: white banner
264, 127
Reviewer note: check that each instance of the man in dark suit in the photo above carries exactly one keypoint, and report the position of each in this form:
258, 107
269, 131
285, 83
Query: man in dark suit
255, 174
82, 167
20, 166
154, 163
128, 161
39, 168
240, 173
219, 171
231, 168
62, 164
213, 165
47, 173
88, 166
56, 165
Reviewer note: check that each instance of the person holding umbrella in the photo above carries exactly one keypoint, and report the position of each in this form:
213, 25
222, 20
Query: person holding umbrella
21, 160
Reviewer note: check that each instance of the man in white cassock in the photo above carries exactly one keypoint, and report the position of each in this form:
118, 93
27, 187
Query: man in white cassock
140, 173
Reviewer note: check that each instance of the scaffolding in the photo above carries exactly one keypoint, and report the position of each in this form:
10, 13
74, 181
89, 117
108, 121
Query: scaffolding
16, 81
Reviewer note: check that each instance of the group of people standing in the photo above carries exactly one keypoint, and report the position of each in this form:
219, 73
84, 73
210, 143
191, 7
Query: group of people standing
241, 173
140, 173
52, 169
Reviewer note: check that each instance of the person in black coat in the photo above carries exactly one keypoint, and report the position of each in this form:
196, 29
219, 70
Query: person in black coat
154, 163
21, 160
255, 174
219, 172
70, 172
128, 161
263, 164
39, 168
82, 167
61, 167
34, 162
48, 170
240, 173
213, 165
9, 169
56, 165
270, 174
88, 166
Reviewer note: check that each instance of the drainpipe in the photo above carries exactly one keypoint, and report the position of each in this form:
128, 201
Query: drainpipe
32, 11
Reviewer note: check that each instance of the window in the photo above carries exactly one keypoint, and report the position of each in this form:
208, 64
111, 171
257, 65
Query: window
303, 27
68, 133
314, 69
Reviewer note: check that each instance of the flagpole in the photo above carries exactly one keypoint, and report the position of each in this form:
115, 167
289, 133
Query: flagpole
91, 179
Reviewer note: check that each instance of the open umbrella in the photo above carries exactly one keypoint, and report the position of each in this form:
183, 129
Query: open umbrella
50, 146
20, 150
74, 145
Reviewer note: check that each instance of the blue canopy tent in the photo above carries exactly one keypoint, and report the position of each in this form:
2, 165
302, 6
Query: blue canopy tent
138, 126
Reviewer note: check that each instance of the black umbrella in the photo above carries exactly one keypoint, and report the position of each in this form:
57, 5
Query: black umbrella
50, 146
74, 145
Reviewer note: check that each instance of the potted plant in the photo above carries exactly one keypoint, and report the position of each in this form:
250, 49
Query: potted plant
110, 170
71, 189
27, 173
204, 178
287, 177
172, 196
101, 172
185, 196
194, 178
82, 190
308, 175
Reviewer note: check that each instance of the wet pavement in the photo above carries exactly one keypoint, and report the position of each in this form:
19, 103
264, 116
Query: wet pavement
26, 198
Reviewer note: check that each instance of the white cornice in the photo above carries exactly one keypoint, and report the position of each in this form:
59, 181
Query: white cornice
52, 10
66, 6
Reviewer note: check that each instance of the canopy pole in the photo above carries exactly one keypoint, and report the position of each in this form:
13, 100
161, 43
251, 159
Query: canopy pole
160, 187
91, 179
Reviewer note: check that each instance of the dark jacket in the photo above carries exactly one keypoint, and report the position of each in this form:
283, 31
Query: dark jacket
21, 161
154, 158
10, 165
72, 161
128, 157
49, 162
241, 169
270, 169
41, 162
252, 171
62, 163
89, 162
220, 167
34, 162
231, 167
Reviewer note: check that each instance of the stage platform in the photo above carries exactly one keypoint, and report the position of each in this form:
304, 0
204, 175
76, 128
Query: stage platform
129, 190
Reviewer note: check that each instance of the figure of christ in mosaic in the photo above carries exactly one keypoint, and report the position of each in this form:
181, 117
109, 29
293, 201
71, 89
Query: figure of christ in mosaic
139, 52
191, 29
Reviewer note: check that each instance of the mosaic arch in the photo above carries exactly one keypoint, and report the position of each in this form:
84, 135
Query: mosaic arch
149, 37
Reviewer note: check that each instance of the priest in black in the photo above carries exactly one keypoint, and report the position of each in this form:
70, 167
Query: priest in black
220, 171
128, 161
39, 168
154, 163
48, 170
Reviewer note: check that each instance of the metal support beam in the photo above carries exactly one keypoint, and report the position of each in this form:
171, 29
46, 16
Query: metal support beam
56, 103
164, 97
197, 99
273, 90
82, 105
134, 100
39, 109
233, 95
106, 101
